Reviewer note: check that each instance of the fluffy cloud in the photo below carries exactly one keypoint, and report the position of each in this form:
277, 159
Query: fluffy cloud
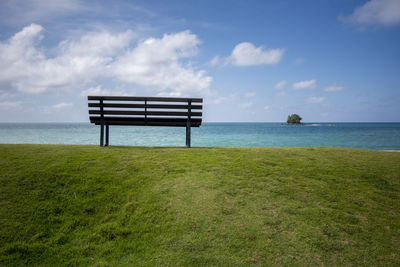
333, 88
98, 90
280, 85
315, 99
246, 54
95, 91
305, 84
153, 63
27, 69
94, 44
381, 12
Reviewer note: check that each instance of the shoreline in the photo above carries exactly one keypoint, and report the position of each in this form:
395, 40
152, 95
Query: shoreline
375, 137
202, 147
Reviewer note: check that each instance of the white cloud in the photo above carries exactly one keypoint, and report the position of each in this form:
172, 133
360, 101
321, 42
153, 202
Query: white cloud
280, 85
333, 88
98, 90
246, 54
169, 94
266, 107
27, 69
249, 94
246, 105
61, 105
94, 44
305, 84
315, 99
153, 63
95, 91
6, 105
379, 12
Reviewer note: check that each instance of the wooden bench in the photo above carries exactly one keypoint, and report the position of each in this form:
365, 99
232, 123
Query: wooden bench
144, 111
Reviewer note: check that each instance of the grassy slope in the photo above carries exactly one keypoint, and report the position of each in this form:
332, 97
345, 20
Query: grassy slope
215, 206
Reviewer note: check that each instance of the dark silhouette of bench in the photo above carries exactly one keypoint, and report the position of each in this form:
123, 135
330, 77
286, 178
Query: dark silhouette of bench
144, 111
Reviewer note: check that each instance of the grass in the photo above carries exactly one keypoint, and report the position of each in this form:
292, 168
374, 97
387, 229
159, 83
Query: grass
85, 205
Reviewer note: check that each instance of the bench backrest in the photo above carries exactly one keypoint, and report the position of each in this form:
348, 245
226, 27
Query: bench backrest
145, 111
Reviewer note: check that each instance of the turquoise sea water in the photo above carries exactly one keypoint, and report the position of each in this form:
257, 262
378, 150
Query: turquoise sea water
379, 136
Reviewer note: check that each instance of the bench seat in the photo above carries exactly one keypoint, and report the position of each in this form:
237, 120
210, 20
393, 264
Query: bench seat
174, 122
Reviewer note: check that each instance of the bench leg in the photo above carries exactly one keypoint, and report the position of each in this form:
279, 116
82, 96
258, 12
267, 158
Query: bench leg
101, 135
107, 134
188, 136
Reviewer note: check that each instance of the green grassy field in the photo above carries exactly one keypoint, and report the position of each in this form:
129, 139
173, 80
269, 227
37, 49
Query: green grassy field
85, 205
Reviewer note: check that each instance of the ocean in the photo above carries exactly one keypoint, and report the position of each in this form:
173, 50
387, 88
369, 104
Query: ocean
377, 136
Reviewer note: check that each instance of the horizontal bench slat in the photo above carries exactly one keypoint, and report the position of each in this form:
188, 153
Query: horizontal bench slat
143, 121
150, 123
136, 98
108, 118
149, 106
149, 113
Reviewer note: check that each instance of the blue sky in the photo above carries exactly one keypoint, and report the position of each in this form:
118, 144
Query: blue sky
329, 61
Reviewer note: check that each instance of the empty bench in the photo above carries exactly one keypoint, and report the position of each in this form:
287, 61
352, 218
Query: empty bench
144, 111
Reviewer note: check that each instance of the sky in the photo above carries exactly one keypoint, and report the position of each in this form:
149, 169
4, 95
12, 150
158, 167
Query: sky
251, 61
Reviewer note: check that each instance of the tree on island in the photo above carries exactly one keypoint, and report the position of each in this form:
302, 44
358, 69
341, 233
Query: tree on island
294, 119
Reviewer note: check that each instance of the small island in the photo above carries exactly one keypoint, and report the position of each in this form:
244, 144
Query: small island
295, 119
